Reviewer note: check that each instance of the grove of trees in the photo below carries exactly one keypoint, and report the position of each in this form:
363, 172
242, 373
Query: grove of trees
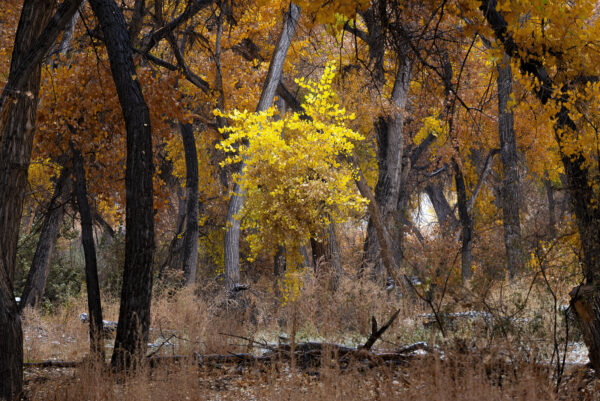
219, 136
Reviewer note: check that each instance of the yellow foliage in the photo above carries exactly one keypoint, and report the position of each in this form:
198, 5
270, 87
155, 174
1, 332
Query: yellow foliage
294, 175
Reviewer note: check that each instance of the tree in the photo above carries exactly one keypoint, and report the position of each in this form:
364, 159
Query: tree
510, 198
18, 105
236, 202
136, 293
40, 266
89, 250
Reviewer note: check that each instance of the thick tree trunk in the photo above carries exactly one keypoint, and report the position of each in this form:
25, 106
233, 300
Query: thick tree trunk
510, 184
390, 145
18, 105
236, 202
136, 293
465, 221
40, 266
190, 239
89, 250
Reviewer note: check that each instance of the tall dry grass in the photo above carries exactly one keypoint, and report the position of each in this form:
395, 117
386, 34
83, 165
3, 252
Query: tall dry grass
479, 363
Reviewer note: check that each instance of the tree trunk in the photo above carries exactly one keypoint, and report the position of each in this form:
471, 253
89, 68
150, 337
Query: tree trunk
326, 257
89, 250
465, 221
390, 145
136, 293
40, 266
279, 265
18, 105
190, 239
510, 184
443, 212
551, 209
236, 202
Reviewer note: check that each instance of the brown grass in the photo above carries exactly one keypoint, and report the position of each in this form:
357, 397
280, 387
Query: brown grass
477, 364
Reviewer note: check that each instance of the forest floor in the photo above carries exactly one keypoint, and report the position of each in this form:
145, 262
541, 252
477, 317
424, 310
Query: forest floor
478, 357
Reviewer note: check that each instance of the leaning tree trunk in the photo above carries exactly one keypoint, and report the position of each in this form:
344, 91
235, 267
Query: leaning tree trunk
89, 250
190, 239
18, 105
136, 293
236, 202
443, 211
40, 266
510, 184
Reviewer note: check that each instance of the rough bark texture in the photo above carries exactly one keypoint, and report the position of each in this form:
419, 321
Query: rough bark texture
465, 221
190, 239
510, 184
40, 266
136, 293
236, 202
18, 106
390, 146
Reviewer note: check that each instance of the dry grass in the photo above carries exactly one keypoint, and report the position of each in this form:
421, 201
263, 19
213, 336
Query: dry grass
477, 364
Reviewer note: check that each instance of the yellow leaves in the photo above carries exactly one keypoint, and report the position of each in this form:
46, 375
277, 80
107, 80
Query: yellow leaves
431, 125
294, 177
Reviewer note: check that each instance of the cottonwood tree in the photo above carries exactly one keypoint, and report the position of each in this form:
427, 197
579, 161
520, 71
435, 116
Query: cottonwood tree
37, 31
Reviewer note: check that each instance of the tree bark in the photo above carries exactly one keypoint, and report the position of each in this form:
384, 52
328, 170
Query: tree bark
190, 239
89, 250
551, 209
18, 106
326, 256
40, 266
279, 264
236, 202
390, 145
444, 214
136, 293
465, 221
510, 184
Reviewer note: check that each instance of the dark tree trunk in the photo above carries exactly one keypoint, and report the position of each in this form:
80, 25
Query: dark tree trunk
390, 149
89, 250
510, 185
551, 209
236, 202
40, 266
465, 221
173, 258
190, 239
279, 265
136, 293
18, 105
443, 212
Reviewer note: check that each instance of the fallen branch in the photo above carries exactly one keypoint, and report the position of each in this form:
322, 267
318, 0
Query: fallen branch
376, 334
